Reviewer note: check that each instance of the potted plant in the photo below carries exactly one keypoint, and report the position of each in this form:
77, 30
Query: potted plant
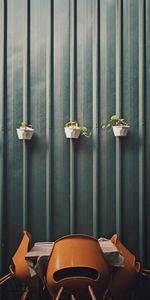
25, 131
73, 130
119, 125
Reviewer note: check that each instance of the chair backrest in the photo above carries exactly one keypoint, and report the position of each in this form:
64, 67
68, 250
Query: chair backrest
123, 277
19, 267
77, 262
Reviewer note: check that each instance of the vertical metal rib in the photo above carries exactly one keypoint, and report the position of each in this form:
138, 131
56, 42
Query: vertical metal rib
49, 87
3, 55
141, 126
118, 112
26, 63
95, 117
72, 189
72, 64
25, 187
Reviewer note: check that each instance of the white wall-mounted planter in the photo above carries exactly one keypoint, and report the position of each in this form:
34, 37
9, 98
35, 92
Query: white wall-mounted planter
72, 132
25, 133
120, 130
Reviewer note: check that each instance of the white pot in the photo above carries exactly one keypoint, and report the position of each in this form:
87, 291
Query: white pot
121, 130
72, 132
25, 133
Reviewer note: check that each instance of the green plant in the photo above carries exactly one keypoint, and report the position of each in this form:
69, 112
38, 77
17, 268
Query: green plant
114, 121
83, 130
71, 124
24, 125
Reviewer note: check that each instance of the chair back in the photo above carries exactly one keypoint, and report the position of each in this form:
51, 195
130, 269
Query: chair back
77, 262
123, 277
19, 267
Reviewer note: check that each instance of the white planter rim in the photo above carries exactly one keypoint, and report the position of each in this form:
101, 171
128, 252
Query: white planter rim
25, 129
73, 127
121, 126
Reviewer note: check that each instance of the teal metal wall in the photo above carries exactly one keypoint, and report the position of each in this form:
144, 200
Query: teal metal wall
82, 59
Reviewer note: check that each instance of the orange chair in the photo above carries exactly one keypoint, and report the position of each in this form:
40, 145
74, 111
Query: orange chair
77, 269
123, 277
19, 267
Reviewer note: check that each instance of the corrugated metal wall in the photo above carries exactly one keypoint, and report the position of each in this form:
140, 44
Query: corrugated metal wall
82, 59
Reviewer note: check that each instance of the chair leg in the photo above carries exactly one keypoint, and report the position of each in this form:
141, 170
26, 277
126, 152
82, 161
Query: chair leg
5, 278
107, 295
91, 292
25, 294
59, 293
146, 272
